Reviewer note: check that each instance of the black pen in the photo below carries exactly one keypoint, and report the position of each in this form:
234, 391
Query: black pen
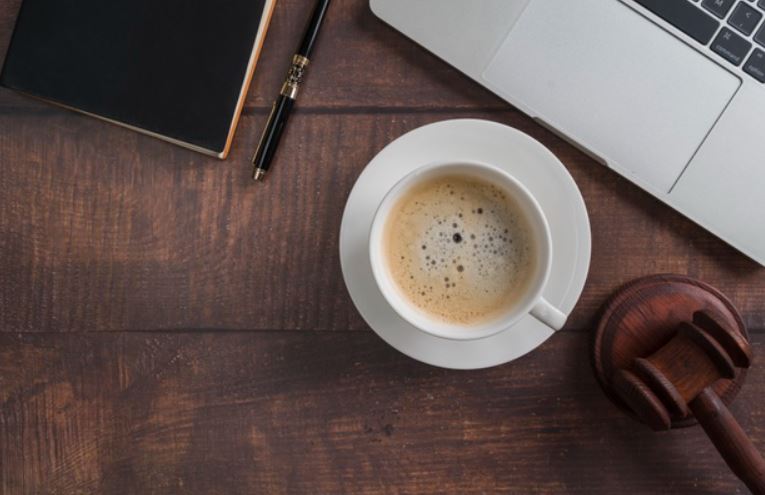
283, 105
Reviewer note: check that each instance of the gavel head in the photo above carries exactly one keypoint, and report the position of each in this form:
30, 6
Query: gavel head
659, 387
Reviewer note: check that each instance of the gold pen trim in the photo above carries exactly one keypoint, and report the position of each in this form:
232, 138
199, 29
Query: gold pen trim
295, 76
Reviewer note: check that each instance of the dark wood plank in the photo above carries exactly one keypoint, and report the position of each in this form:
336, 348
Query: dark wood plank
329, 413
359, 62
105, 229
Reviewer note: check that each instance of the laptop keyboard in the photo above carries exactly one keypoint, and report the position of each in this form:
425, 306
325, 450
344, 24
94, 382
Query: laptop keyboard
733, 29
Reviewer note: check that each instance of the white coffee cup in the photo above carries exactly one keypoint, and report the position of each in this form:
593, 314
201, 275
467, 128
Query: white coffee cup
531, 302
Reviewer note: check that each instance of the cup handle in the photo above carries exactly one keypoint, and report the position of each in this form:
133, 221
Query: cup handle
548, 314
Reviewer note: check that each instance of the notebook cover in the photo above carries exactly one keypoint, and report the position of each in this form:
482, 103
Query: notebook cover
177, 69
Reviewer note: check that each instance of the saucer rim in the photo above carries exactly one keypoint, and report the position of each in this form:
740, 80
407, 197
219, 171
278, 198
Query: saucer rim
570, 295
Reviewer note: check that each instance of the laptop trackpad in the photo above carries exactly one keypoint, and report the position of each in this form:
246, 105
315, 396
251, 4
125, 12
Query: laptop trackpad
613, 82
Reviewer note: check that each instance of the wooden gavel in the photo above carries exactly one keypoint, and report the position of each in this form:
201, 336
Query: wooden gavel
677, 380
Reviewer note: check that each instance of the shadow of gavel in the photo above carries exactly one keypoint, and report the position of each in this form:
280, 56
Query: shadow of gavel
677, 380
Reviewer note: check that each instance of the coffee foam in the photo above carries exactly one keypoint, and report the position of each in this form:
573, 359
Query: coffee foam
460, 249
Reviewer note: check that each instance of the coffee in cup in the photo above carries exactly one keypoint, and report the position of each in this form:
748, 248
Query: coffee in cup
460, 249
463, 251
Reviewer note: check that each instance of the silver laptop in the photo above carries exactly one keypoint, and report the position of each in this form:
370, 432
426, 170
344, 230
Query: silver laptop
668, 93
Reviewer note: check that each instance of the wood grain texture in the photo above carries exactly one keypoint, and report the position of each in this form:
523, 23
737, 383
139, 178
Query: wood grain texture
125, 262
295, 412
105, 229
731, 441
642, 317
676, 331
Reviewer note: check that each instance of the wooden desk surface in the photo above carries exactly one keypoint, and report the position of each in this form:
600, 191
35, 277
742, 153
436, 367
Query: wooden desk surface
168, 327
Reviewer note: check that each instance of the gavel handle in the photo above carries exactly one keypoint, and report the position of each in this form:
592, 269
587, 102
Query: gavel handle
731, 441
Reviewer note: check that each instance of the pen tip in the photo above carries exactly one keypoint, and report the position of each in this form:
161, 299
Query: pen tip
258, 174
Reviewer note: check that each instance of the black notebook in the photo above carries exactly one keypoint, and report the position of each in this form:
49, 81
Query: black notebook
175, 69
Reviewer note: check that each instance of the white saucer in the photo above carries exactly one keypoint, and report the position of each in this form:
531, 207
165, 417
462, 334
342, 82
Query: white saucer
467, 140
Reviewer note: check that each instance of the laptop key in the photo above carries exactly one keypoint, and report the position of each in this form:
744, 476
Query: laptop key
684, 16
720, 8
731, 46
760, 36
755, 66
745, 18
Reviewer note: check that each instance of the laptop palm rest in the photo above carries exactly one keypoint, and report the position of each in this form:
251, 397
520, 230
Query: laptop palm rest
603, 86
